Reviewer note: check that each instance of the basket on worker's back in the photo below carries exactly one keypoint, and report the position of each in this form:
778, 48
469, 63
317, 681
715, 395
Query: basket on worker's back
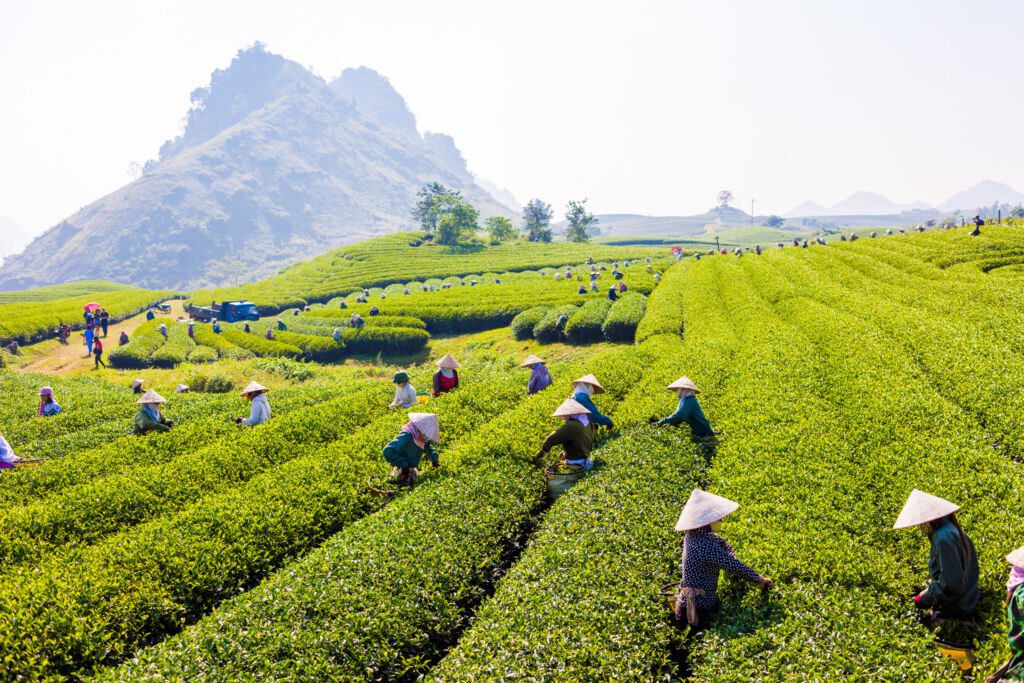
562, 477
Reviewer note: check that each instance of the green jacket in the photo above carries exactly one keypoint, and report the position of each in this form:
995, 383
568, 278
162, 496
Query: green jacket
145, 423
689, 411
953, 573
575, 439
403, 451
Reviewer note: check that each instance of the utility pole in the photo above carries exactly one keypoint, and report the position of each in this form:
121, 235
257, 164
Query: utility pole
751, 212
718, 247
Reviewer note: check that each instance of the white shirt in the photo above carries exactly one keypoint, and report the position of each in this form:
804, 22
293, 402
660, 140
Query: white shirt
259, 412
404, 396
6, 453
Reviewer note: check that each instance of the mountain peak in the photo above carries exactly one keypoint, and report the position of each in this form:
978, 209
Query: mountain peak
254, 78
983, 194
376, 99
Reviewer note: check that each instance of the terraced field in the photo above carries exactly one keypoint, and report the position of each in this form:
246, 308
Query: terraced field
843, 377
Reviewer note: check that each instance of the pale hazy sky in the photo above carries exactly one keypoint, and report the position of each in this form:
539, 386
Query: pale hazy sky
645, 107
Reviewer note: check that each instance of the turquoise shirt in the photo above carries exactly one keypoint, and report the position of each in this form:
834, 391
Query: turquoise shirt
690, 412
403, 451
595, 416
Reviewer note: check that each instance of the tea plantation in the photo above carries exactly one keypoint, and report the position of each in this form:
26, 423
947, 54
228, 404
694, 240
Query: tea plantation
843, 376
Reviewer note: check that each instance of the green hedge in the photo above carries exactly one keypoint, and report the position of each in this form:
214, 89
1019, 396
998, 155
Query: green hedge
546, 331
584, 327
624, 317
523, 324
259, 345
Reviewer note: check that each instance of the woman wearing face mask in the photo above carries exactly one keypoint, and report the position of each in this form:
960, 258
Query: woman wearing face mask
582, 390
447, 376
688, 410
576, 436
1013, 669
705, 555
952, 591
405, 393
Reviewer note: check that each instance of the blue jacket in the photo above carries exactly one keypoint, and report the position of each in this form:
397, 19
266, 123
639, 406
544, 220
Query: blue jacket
595, 415
689, 411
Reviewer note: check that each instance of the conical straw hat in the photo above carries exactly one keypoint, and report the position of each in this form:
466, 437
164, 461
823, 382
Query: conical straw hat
684, 383
253, 387
152, 397
1016, 558
448, 362
592, 381
181, 388
704, 508
569, 408
136, 383
427, 424
922, 507
531, 360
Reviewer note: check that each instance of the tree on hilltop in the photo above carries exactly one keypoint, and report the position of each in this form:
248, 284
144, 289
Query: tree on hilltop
724, 197
458, 219
537, 221
500, 229
775, 221
430, 203
581, 221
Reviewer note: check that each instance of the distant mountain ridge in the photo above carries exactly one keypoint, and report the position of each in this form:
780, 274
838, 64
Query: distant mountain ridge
983, 194
274, 165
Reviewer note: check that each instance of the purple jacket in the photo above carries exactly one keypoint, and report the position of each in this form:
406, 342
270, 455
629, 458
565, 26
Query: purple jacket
540, 379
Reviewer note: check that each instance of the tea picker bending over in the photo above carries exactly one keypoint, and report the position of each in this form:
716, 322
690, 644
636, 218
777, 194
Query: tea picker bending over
259, 410
576, 436
417, 438
582, 389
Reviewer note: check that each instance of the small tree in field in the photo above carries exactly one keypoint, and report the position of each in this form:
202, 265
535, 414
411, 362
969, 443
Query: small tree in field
581, 221
500, 229
775, 221
537, 221
430, 203
458, 218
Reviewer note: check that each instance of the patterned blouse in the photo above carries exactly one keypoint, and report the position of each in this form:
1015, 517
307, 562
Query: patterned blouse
1015, 615
705, 554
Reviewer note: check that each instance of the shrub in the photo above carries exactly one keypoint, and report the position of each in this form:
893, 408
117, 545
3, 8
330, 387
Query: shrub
584, 327
259, 345
523, 324
624, 317
213, 383
546, 331
202, 354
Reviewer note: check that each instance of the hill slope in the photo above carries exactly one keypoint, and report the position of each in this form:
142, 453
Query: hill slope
274, 165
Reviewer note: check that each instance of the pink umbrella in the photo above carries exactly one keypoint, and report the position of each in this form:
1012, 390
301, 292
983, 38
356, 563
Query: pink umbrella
93, 306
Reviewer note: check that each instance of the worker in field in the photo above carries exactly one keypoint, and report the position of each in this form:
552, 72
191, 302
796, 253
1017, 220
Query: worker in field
688, 410
343, 305
582, 290
623, 288
259, 405
540, 376
7, 457
137, 386
97, 352
447, 376
406, 291
336, 335
183, 389
374, 310
104, 320
978, 222
705, 555
216, 326
952, 590
356, 321
281, 326
89, 335
162, 330
594, 287
405, 392
406, 450
613, 294
150, 315
1013, 669
247, 329
149, 418
561, 322
617, 274
269, 334
657, 276
48, 407
582, 390
575, 436
191, 330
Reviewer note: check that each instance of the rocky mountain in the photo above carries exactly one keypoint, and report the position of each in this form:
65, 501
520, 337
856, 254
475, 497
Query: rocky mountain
274, 165
13, 237
985, 193
806, 209
870, 204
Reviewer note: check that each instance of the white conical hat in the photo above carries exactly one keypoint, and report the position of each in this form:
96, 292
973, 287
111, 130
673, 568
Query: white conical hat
181, 388
152, 397
923, 507
137, 383
531, 360
569, 408
1016, 558
684, 383
427, 424
592, 381
448, 362
704, 508
253, 387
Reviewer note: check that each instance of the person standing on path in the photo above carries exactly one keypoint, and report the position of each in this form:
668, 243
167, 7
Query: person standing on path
104, 321
89, 336
97, 352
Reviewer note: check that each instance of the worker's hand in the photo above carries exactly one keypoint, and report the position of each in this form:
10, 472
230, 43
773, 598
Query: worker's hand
765, 583
238, 420
919, 601
653, 421
1009, 597
611, 426
680, 609
18, 459
436, 463
541, 455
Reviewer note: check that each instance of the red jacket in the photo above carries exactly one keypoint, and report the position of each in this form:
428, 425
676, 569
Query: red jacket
444, 384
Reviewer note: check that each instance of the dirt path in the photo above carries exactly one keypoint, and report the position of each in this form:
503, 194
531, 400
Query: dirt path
54, 358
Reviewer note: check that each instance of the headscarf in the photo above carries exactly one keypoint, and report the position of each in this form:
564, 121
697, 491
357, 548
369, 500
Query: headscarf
447, 372
45, 396
151, 410
417, 435
683, 393
582, 388
582, 418
1016, 579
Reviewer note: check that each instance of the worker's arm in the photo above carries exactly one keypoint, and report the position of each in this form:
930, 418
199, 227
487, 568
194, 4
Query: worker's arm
595, 415
682, 412
555, 438
951, 582
432, 454
741, 570
437, 384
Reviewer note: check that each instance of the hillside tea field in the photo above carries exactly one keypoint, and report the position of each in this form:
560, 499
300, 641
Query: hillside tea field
843, 376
